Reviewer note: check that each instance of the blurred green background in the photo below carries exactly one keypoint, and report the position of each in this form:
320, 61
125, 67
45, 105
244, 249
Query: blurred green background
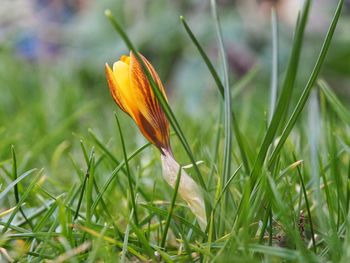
52, 55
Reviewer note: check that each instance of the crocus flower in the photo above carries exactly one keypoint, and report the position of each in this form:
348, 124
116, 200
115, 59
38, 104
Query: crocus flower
132, 92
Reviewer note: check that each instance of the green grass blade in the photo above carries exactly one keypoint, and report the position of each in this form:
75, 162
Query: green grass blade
307, 206
83, 149
90, 186
131, 187
126, 238
83, 186
274, 67
14, 175
227, 114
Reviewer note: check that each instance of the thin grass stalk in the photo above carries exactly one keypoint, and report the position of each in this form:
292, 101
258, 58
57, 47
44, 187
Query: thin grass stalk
90, 186
274, 65
15, 188
131, 188
126, 238
82, 191
227, 117
307, 206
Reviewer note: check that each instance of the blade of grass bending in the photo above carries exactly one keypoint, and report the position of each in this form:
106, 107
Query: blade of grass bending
307, 205
21, 200
166, 108
15, 182
171, 208
285, 96
220, 86
306, 92
274, 66
227, 115
83, 149
131, 188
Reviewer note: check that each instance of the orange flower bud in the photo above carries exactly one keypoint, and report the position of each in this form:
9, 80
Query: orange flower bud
133, 93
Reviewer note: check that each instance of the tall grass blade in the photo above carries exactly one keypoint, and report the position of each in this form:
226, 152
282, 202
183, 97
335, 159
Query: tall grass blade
126, 238
307, 205
274, 67
83, 186
227, 114
131, 187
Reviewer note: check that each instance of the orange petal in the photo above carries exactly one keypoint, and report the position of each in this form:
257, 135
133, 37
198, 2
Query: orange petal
149, 115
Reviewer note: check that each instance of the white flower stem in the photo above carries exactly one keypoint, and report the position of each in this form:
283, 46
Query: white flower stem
188, 188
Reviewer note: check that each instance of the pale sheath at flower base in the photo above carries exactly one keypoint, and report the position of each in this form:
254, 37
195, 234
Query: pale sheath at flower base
132, 92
